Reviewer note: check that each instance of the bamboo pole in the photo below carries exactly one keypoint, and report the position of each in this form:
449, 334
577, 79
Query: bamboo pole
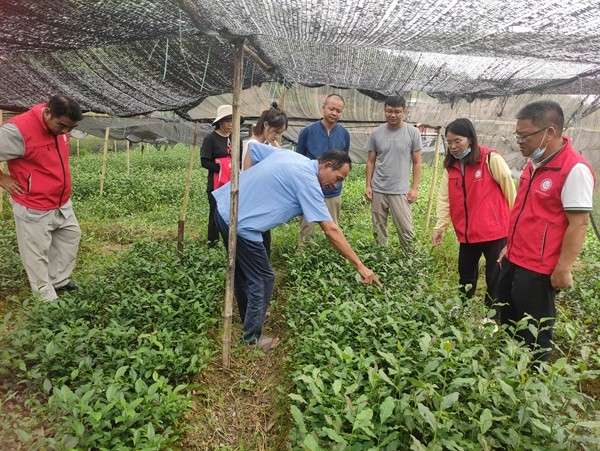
436, 158
128, 158
104, 161
186, 194
233, 210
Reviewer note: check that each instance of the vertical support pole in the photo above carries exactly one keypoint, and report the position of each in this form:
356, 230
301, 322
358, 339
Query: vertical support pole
104, 161
233, 210
436, 159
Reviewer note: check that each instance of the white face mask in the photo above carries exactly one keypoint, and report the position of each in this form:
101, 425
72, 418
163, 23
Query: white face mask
466, 152
537, 153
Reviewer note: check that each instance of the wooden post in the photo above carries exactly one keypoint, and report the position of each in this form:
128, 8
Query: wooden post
238, 68
104, 161
186, 194
436, 158
128, 158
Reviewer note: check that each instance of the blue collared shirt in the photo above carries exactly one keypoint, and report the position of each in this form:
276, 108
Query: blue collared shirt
314, 141
280, 186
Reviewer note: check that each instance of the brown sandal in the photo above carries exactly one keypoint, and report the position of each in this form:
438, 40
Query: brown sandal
265, 343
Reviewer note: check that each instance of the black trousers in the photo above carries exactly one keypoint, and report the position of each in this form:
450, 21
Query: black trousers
468, 267
213, 229
530, 293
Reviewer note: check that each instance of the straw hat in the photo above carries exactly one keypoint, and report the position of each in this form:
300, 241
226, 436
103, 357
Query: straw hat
223, 111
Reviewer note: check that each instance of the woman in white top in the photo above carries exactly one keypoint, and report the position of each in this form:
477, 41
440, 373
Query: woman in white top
270, 124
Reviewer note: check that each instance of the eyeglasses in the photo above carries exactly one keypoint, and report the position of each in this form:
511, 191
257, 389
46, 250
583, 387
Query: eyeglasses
522, 138
455, 142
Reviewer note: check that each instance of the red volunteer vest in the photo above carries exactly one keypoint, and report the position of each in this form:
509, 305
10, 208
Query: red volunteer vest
43, 171
538, 221
478, 209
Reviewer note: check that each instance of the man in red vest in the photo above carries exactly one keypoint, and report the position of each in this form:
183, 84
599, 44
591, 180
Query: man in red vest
547, 226
35, 146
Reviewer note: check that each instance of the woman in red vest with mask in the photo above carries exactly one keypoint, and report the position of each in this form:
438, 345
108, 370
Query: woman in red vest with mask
476, 195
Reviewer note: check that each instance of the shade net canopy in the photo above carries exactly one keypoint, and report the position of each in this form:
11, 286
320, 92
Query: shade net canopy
131, 57
127, 57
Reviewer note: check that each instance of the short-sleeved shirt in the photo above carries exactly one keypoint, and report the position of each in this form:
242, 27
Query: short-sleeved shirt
12, 144
394, 148
280, 186
314, 141
578, 191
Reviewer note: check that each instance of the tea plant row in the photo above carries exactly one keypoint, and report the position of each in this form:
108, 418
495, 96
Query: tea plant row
413, 366
114, 359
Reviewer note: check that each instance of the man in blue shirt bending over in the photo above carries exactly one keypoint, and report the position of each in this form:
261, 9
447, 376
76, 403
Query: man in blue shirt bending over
314, 140
279, 186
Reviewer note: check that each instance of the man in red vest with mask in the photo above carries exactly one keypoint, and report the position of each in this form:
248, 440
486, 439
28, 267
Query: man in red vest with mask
35, 146
547, 225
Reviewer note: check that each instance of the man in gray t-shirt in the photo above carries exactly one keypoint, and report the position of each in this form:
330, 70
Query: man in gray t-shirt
394, 148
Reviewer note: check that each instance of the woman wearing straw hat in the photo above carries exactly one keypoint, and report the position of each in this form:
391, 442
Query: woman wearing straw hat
215, 155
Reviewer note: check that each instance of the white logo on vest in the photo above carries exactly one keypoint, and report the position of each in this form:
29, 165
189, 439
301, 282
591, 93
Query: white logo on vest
546, 184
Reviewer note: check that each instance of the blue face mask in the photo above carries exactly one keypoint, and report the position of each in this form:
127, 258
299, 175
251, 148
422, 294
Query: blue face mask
537, 153
466, 152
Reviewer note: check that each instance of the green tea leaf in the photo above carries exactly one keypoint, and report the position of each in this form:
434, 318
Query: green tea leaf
337, 386
508, 390
589, 424
485, 420
299, 420
449, 400
121, 371
150, 432
334, 435
386, 409
297, 397
111, 391
78, 428
544, 427
427, 415
310, 443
